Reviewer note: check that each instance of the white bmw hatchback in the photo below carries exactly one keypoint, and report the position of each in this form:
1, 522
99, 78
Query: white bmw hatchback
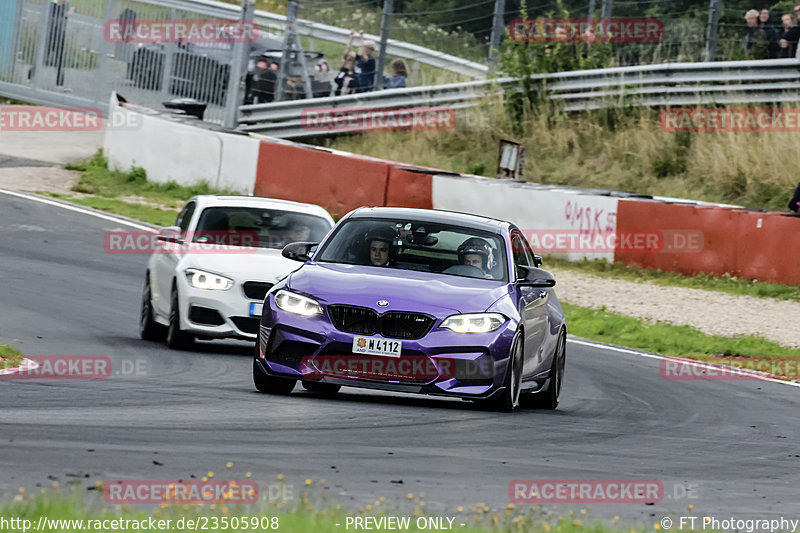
217, 264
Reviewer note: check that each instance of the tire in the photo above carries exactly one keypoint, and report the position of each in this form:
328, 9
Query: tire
177, 339
322, 388
509, 399
548, 399
149, 329
270, 384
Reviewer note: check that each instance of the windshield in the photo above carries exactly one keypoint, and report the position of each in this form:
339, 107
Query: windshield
417, 245
271, 228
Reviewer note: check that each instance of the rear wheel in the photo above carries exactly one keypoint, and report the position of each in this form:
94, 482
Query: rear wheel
149, 329
271, 384
177, 339
548, 399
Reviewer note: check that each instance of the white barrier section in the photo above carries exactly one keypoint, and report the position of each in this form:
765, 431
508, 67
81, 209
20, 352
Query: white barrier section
170, 150
548, 216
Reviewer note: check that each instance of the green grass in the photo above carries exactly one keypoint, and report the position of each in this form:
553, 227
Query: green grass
146, 213
682, 341
725, 283
129, 193
301, 517
10, 357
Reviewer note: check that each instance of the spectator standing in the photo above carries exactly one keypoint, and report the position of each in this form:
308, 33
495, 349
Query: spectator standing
769, 33
755, 40
399, 74
345, 79
365, 65
788, 41
794, 203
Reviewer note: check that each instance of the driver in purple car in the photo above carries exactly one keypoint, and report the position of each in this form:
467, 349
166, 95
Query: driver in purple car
477, 253
381, 243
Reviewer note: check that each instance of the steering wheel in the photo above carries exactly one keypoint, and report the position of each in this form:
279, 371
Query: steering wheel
464, 270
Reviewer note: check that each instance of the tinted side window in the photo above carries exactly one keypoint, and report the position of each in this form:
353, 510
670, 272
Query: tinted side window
185, 216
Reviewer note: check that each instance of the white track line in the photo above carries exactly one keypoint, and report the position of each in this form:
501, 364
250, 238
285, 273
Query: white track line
77, 209
693, 362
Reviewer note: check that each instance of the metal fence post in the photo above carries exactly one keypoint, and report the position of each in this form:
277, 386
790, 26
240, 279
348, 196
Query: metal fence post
713, 25
36, 74
386, 19
497, 34
241, 53
170, 49
105, 76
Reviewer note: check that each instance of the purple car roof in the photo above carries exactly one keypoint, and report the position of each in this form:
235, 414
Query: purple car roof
432, 215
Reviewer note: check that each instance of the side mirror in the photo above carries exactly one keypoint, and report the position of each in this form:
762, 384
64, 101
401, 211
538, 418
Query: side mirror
528, 276
298, 251
170, 234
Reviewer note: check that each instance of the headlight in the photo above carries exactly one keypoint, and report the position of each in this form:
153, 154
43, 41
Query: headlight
297, 304
474, 323
206, 280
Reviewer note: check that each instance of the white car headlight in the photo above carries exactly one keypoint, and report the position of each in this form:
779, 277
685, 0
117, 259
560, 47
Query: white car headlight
474, 323
200, 279
297, 304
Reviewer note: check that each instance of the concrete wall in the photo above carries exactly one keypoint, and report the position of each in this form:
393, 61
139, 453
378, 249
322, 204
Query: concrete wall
173, 149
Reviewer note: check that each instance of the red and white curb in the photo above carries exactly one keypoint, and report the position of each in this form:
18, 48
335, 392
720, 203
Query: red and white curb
26, 366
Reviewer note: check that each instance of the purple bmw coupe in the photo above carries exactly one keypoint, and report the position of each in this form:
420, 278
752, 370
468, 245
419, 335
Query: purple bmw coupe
419, 301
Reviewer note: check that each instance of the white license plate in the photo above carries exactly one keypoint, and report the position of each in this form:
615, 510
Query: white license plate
377, 346
256, 308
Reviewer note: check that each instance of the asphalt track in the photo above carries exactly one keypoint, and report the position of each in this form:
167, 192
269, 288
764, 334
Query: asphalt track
733, 443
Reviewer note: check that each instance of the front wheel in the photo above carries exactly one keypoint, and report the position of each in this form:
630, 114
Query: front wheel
509, 399
548, 399
177, 339
149, 329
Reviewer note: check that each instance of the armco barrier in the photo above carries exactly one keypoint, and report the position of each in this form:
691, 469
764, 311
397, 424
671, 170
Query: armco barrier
718, 226
767, 247
337, 182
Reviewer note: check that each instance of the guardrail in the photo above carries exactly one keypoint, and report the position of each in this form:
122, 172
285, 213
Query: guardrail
339, 35
669, 84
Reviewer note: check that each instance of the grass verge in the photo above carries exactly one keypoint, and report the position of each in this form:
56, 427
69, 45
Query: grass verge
667, 339
129, 193
10, 357
71, 512
725, 283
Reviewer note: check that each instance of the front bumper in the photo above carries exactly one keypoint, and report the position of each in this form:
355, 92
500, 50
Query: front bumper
440, 363
218, 314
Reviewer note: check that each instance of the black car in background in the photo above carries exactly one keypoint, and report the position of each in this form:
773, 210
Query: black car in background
202, 70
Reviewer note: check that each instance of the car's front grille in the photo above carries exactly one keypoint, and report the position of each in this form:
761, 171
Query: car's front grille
256, 290
246, 323
394, 324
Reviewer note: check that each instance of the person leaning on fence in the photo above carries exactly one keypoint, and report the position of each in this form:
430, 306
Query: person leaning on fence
790, 37
756, 41
771, 34
398, 78
794, 203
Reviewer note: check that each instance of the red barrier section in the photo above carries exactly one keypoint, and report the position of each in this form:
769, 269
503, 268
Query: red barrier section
409, 189
337, 182
718, 227
768, 245
746, 244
